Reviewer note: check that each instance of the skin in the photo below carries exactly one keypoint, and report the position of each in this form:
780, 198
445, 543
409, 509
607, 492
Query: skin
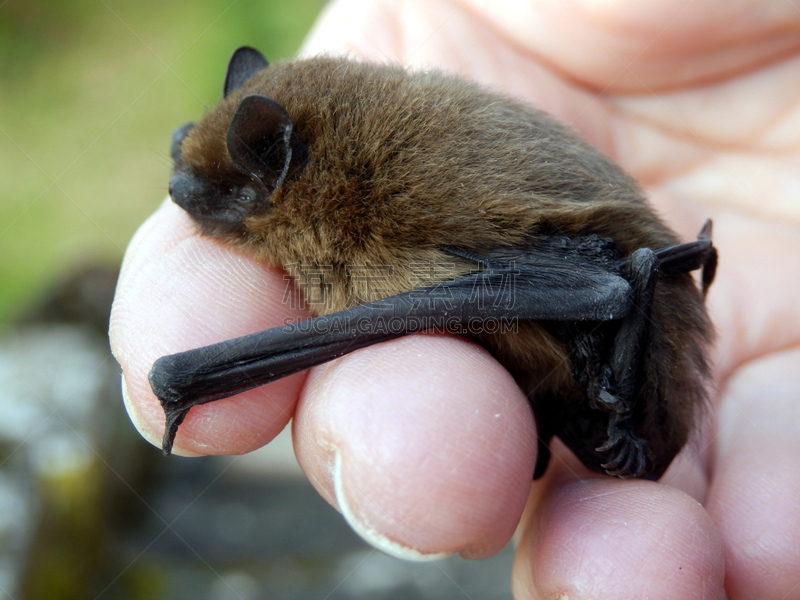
425, 443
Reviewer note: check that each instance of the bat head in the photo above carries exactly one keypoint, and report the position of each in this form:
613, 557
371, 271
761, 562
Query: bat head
261, 150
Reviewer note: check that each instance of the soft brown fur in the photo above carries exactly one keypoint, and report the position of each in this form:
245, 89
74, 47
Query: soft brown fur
402, 163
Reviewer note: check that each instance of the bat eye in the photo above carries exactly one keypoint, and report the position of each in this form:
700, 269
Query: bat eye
247, 195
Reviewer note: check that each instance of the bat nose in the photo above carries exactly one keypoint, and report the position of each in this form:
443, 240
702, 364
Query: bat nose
180, 189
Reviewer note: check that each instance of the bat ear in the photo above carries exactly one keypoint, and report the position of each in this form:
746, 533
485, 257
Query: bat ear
176, 142
261, 140
242, 65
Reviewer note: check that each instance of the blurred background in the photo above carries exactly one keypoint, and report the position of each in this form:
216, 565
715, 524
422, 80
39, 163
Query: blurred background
90, 91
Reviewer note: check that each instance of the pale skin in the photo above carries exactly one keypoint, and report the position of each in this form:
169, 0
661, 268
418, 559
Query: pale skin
425, 443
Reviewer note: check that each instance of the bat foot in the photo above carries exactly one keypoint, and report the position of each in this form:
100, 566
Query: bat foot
608, 402
629, 456
606, 396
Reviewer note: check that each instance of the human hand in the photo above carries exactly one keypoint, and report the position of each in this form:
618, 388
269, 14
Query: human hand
405, 437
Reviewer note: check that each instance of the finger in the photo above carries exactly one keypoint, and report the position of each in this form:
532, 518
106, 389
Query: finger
630, 46
178, 290
432, 34
425, 444
753, 496
596, 537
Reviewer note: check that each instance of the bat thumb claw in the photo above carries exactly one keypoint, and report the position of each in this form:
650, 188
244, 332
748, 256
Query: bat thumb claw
705, 232
174, 419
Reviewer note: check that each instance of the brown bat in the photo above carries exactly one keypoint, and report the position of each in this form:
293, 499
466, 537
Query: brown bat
483, 216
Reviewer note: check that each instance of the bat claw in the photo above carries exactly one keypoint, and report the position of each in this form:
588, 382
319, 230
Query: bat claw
629, 456
609, 402
175, 417
705, 232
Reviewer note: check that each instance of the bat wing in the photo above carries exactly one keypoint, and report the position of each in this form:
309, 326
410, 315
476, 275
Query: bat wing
690, 256
536, 284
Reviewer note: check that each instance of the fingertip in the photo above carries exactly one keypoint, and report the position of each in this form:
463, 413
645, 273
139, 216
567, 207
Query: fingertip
425, 444
369, 533
604, 538
179, 290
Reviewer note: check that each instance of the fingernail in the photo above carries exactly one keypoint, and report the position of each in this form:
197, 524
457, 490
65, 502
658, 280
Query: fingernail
366, 530
141, 425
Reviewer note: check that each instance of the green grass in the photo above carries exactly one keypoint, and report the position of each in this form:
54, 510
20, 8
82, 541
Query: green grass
90, 91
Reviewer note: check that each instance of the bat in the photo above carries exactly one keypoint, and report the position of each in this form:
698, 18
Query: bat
477, 214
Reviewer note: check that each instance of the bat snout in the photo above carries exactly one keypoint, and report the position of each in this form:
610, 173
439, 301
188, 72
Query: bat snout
180, 189
213, 211
192, 194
